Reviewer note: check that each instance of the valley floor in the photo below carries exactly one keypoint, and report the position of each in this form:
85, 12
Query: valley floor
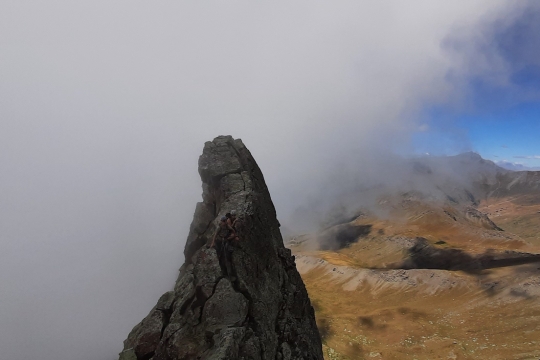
368, 307
425, 314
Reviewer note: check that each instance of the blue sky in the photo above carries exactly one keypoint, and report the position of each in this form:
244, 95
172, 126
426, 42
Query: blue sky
498, 115
105, 107
510, 135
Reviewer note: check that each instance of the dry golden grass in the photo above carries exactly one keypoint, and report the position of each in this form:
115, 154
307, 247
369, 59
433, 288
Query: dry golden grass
466, 322
517, 215
428, 314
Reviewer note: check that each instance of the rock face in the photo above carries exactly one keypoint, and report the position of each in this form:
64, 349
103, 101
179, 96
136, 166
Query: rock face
252, 306
480, 219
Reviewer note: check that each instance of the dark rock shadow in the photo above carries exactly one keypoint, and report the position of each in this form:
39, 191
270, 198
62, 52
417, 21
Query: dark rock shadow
324, 329
413, 314
522, 294
342, 236
423, 255
369, 323
355, 351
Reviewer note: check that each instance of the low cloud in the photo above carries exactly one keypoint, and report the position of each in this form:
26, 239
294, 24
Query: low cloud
527, 156
105, 107
514, 166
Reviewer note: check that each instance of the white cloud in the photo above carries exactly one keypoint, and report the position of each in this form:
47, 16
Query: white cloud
515, 166
527, 156
423, 127
105, 107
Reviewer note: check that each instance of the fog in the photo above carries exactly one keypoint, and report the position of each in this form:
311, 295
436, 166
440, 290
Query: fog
105, 107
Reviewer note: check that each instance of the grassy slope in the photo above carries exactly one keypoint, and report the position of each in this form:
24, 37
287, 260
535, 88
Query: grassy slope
428, 314
518, 214
468, 321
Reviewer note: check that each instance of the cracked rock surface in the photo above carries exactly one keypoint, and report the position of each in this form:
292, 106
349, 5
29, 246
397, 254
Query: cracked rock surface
255, 308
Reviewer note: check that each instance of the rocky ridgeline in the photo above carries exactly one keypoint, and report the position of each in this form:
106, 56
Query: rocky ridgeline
261, 310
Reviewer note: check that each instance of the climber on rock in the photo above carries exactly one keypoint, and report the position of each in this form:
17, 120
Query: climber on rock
232, 221
231, 218
224, 234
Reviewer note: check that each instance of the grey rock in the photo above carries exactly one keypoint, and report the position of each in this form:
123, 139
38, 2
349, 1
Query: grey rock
480, 219
255, 307
226, 307
128, 354
227, 344
145, 337
207, 271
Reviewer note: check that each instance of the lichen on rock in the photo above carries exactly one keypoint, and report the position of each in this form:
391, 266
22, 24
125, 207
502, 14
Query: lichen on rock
255, 308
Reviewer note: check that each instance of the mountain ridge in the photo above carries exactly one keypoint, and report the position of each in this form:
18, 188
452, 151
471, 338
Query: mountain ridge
446, 266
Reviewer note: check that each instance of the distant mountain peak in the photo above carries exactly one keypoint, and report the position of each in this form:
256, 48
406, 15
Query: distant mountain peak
470, 155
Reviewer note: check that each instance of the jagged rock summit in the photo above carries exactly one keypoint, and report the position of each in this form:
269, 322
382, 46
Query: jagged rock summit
258, 307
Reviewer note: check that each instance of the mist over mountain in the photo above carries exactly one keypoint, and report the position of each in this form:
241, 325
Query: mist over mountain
508, 165
463, 180
104, 107
440, 260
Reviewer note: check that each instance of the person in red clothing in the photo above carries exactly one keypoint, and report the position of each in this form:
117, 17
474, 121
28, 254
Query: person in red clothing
233, 221
224, 235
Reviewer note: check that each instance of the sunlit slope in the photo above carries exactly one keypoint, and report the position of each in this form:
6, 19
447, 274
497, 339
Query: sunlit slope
370, 303
444, 264
388, 241
518, 214
425, 314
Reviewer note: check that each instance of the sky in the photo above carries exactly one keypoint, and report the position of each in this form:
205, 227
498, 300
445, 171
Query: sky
105, 107
512, 135
507, 136
499, 116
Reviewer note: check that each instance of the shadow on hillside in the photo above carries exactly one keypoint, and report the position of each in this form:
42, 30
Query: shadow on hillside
413, 314
369, 323
324, 329
342, 236
355, 351
423, 255
378, 322
493, 286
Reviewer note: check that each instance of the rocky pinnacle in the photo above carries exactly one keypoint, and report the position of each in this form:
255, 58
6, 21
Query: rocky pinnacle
257, 306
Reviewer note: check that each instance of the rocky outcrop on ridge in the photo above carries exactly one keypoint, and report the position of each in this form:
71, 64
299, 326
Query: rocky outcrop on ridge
256, 307
480, 219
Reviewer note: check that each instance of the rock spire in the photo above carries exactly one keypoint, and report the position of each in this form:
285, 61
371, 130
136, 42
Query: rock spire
255, 307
